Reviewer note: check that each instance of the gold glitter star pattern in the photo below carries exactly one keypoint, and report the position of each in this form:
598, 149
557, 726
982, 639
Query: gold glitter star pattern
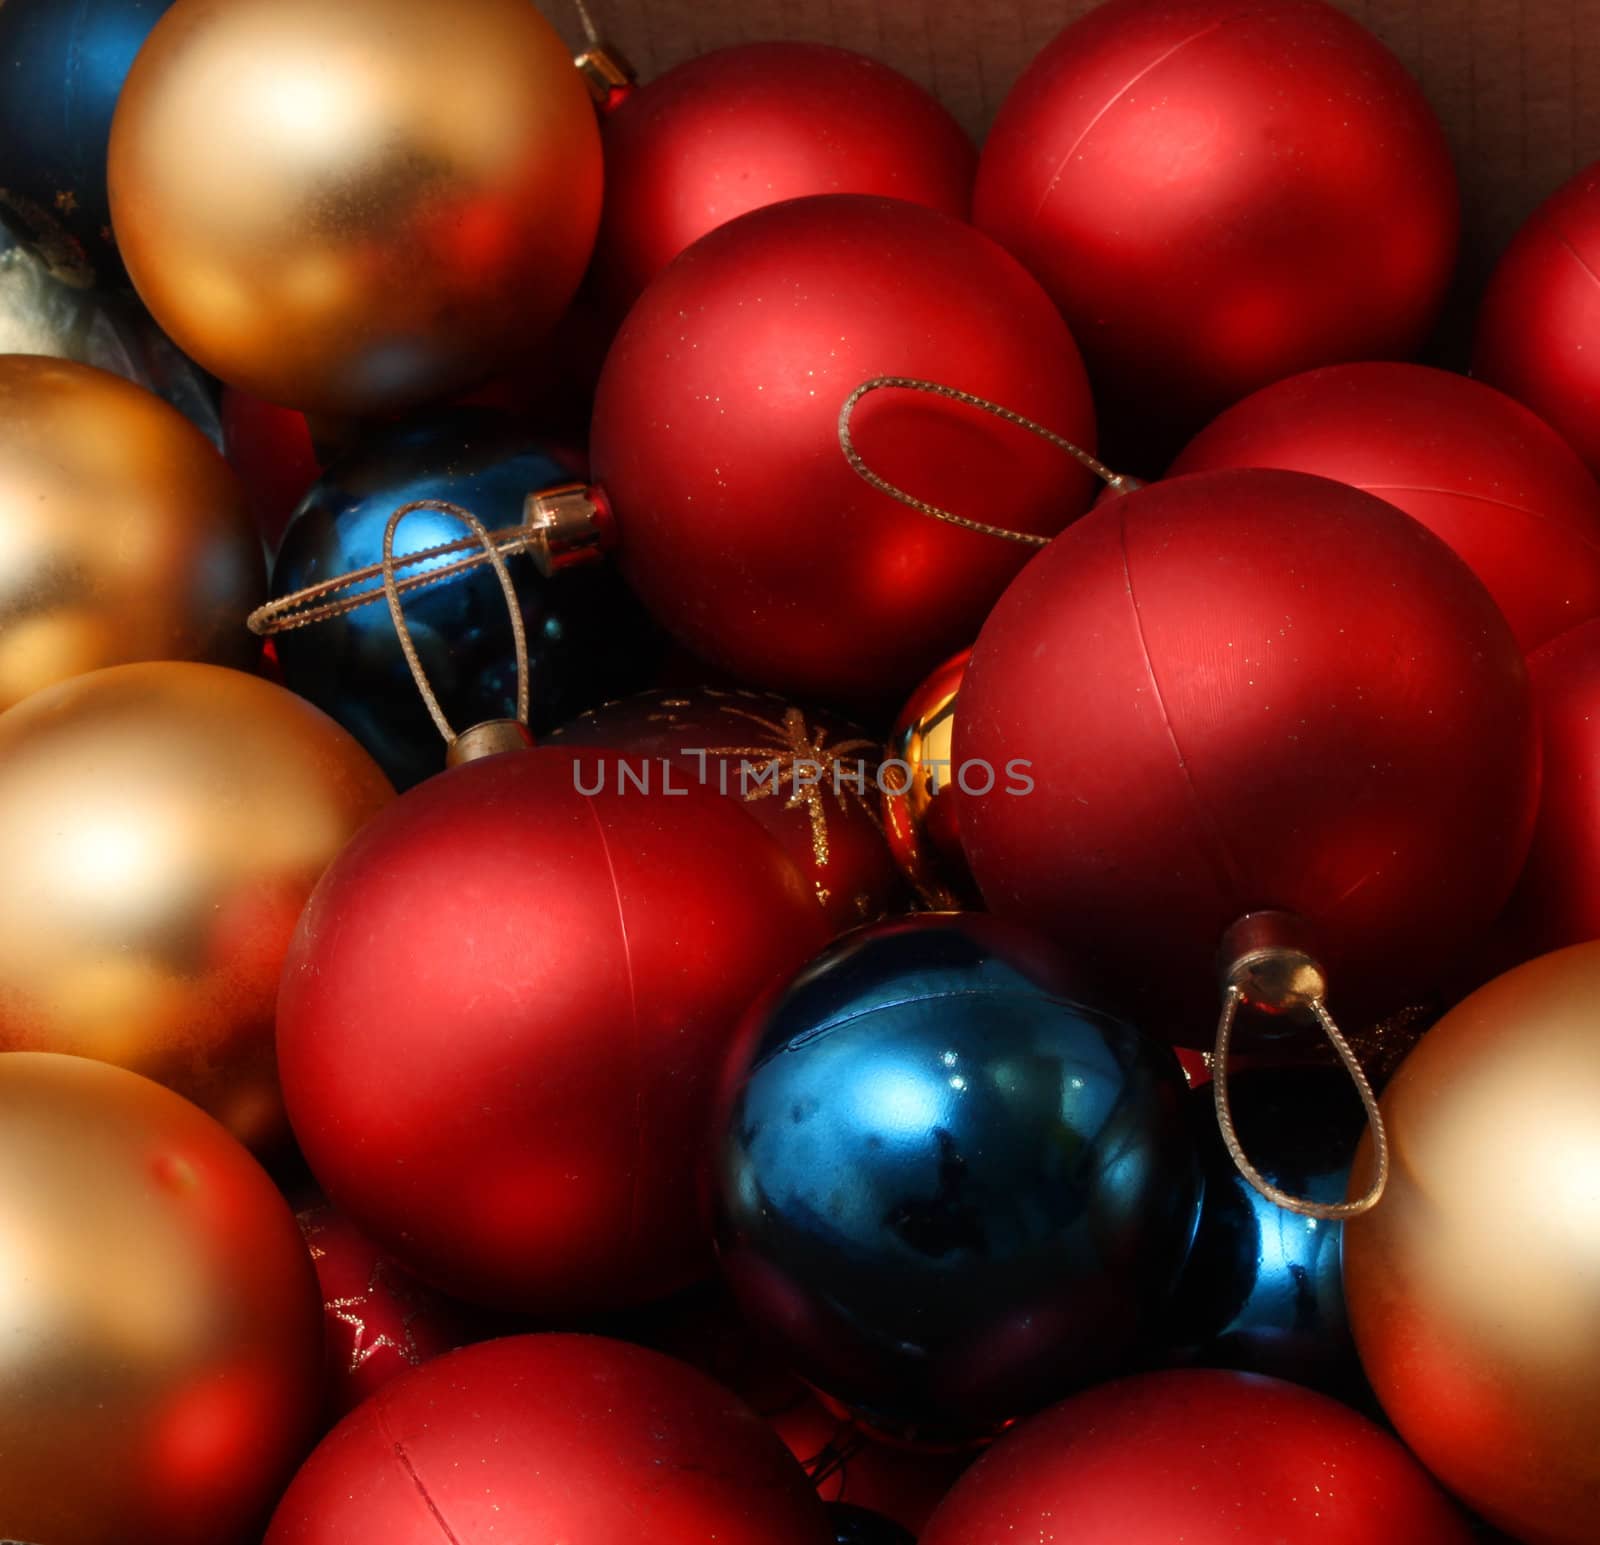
795, 743
352, 1310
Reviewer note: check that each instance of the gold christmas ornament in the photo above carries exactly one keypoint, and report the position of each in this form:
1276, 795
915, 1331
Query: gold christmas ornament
160, 1321
1474, 1287
123, 534
919, 792
161, 826
354, 206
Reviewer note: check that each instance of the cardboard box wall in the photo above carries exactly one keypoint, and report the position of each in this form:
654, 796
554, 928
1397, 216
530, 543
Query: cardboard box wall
1516, 82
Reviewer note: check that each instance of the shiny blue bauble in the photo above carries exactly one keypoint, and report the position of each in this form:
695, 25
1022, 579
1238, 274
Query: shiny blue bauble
588, 639
950, 1189
62, 66
856, 1526
1261, 1291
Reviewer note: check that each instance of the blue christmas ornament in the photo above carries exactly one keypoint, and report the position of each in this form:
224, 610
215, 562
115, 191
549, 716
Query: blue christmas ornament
1261, 1291
857, 1526
588, 640
950, 1189
62, 65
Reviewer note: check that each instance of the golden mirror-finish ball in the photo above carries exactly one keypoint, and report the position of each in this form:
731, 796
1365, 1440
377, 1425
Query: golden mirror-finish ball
354, 206
1473, 1287
919, 792
160, 1323
123, 533
161, 826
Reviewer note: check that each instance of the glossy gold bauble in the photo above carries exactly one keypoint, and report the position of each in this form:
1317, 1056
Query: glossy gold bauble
919, 791
161, 826
160, 1323
1474, 1286
352, 206
123, 533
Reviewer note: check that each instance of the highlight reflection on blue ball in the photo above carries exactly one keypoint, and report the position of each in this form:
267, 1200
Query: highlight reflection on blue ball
949, 1188
1262, 1291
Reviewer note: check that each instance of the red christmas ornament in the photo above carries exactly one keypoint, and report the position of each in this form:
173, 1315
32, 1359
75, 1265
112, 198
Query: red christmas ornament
1501, 488
844, 1463
1539, 329
551, 1438
1557, 900
1206, 1457
1241, 691
745, 127
716, 441
271, 450
378, 1320
851, 1466
1218, 196
810, 779
503, 1016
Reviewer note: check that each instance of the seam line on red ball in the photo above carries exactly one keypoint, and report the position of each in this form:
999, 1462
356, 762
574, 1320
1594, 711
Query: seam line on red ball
633, 1022
1224, 873
1121, 92
403, 1459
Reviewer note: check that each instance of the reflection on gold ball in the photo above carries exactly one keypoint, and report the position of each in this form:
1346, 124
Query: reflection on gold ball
123, 534
352, 206
1474, 1286
161, 826
160, 1323
919, 792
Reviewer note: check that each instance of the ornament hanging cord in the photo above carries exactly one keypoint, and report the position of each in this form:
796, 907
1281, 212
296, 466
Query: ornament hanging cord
391, 591
586, 20
308, 606
323, 601
1234, 996
1117, 482
1232, 1001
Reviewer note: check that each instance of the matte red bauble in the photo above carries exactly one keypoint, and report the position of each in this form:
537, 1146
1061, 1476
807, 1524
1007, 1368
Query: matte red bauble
551, 1438
1557, 900
1218, 196
745, 127
271, 450
1481, 472
1539, 330
503, 1016
378, 1321
810, 779
707, 1331
716, 438
1242, 691
1206, 1457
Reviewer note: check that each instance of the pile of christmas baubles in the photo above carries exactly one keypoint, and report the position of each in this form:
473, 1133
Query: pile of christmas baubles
646, 729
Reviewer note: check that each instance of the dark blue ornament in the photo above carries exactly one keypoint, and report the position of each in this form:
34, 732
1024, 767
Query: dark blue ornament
588, 640
62, 66
856, 1526
1261, 1291
950, 1190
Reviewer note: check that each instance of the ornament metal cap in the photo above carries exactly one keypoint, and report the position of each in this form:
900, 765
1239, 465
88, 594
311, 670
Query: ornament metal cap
1266, 965
567, 525
1265, 960
491, 738
607, 73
